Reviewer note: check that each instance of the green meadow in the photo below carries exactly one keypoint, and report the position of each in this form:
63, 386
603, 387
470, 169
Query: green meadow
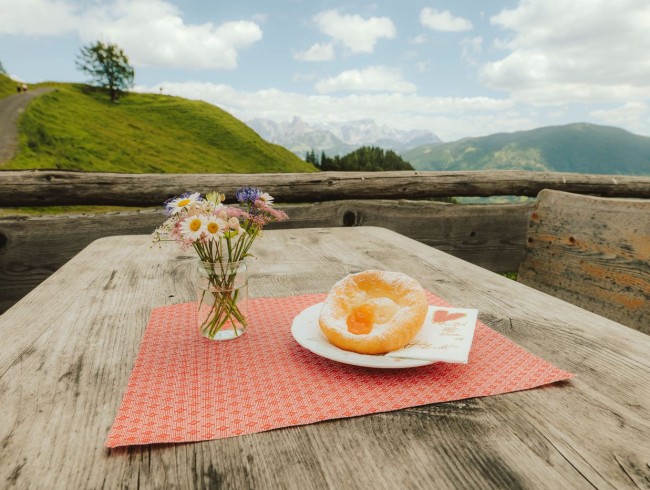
7, 86
76, 127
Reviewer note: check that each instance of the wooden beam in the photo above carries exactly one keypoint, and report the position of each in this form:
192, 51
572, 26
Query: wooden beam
492, 236
52, 187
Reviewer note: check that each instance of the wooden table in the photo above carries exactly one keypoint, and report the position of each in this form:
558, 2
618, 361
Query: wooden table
69, 346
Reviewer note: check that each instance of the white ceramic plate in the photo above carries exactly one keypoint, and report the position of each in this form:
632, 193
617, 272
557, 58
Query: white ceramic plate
306, 331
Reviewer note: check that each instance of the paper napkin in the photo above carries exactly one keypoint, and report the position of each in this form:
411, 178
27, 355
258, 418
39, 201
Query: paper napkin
446, 336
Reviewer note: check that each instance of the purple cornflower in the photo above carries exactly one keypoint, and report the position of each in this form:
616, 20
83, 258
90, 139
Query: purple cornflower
248, 195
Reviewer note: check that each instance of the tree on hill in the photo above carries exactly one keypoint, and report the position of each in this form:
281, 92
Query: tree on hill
2, 69
365, 159
108, 67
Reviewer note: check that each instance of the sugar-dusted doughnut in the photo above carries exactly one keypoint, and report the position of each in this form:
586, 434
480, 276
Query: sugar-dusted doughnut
373, 312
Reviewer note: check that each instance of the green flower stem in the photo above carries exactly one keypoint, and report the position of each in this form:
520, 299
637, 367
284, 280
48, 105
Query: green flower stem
223, 308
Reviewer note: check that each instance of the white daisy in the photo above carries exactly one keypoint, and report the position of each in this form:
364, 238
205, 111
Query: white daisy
266, 197
193, 227
176, 205
215, 227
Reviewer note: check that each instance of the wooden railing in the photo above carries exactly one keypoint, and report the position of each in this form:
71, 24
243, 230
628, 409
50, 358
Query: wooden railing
489, 235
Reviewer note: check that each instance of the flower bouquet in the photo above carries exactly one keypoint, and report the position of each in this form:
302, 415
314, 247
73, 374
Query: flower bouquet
222, 237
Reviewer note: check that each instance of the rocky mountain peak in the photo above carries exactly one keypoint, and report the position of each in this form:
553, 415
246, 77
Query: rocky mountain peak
300, 136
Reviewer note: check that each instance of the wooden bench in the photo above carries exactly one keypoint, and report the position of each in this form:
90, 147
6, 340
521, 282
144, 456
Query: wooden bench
593, 252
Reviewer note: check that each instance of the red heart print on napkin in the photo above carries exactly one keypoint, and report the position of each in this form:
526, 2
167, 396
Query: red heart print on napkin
441, 316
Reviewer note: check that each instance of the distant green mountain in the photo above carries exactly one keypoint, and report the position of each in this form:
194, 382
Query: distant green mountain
582, 148
76, 127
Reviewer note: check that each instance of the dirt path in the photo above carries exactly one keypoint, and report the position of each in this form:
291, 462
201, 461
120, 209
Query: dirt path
10, 109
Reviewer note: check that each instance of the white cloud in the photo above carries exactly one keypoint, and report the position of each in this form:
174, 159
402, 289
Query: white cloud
448, 117
371, 79
151, 32
471, 48
419, 39
260, 17
423, 66
443, 21
632, 115
359, 35
303, 77
316, 52
37, 17
594, 51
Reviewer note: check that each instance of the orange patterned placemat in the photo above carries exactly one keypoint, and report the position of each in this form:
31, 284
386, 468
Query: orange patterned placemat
186, 388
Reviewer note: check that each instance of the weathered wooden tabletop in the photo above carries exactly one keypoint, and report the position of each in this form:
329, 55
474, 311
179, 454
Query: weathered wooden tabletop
69, 346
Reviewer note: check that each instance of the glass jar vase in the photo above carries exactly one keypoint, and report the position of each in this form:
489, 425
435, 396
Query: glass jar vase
222, 299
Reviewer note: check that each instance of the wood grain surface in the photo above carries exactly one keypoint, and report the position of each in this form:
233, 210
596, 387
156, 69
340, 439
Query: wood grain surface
54, 187
593, 252
69, 346
492, 236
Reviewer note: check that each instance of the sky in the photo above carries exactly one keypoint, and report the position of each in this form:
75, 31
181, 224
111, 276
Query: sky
458, 68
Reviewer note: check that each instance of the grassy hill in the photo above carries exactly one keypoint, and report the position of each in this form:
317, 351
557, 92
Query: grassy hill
76, 127
583, 148
7, 86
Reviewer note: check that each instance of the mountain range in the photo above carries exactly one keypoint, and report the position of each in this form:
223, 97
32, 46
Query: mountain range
579, 147
75, 127
334, 139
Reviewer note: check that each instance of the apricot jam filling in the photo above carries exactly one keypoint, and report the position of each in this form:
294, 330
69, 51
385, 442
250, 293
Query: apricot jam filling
361, 319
